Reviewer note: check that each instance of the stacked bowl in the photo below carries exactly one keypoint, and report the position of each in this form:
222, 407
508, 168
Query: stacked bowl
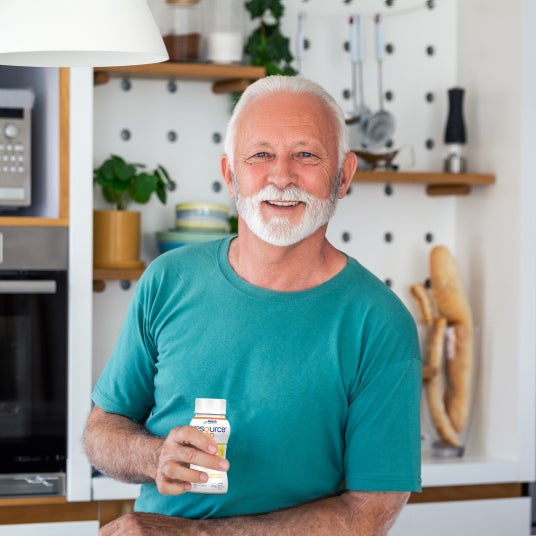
195, 222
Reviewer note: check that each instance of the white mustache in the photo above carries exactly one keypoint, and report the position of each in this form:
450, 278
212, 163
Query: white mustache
290, 193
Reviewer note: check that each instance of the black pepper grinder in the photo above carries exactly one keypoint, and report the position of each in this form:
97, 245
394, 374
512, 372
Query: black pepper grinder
455, 135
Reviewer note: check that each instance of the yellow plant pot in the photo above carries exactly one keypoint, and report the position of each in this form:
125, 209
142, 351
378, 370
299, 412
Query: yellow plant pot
116, 239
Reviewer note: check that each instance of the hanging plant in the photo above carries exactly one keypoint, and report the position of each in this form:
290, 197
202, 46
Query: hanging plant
267, 46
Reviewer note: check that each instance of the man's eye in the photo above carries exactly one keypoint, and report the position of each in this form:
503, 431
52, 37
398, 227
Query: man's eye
307, 157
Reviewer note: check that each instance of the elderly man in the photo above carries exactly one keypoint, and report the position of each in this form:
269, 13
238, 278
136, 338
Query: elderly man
318, 360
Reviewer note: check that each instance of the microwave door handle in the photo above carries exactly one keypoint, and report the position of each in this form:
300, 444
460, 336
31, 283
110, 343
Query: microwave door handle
28, 286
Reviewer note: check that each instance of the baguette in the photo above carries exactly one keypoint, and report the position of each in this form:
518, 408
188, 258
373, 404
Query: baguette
447, 287
424, 302
459, 373
434, 386
452, 303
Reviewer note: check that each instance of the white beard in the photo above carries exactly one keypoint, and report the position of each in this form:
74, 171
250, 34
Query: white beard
279, 231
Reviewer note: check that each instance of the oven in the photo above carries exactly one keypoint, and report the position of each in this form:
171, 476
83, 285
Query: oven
33, 360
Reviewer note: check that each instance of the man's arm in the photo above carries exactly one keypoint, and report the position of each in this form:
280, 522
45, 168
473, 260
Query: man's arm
126, 451
352, 513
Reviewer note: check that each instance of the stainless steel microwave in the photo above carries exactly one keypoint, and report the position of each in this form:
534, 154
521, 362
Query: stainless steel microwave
15, 147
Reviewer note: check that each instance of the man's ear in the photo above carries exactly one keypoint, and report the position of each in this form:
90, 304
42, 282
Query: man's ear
227, 174
348, 171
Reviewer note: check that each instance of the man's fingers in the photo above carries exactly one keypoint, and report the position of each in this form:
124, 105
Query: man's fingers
185, 446
188, 435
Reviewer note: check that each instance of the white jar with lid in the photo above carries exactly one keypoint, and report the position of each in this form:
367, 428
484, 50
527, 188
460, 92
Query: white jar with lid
224, 32
183, 40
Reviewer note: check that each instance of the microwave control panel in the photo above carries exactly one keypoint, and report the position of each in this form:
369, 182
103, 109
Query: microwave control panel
15, 147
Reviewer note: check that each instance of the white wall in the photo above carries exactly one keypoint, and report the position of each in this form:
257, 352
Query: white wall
487, 47
149, 112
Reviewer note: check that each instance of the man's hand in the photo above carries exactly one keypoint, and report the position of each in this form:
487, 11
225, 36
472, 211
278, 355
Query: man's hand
183, 446
144, 524
126, 451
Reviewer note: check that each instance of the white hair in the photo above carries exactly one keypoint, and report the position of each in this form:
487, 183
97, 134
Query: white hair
294, 85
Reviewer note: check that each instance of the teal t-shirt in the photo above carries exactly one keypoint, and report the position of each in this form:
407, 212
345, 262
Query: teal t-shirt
322, 385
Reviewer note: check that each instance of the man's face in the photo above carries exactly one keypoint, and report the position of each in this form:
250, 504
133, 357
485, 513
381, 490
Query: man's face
286, 181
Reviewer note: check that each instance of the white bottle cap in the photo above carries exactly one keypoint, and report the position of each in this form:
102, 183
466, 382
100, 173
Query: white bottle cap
210, 406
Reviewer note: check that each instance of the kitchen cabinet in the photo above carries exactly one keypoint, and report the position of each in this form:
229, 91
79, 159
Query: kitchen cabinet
80, 528
58, 214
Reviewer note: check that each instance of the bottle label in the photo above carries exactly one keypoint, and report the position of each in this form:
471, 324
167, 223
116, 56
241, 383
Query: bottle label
219, 429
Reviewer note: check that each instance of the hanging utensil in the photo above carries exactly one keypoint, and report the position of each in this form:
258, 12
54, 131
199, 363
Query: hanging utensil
300, 41
381, 124
360, 113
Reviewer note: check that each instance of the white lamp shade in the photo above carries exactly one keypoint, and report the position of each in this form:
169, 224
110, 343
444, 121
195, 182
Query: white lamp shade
78, 33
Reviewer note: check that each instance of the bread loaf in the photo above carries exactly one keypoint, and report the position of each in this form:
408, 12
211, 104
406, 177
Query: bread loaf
452, 304
435, 385
447, 287
424, 302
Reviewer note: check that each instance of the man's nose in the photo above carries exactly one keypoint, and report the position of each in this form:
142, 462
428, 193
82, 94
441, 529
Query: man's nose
283, 173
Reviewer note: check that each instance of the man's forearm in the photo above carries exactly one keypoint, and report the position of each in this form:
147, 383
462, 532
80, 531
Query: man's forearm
366, 514
121, 448
352, 513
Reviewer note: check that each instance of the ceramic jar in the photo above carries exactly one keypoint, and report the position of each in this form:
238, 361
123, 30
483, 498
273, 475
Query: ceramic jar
183, 39
224, 33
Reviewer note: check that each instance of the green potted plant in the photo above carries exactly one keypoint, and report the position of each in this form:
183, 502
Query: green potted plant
116, 233
266, 46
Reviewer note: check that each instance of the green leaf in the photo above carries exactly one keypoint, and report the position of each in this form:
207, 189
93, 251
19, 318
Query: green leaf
146, 184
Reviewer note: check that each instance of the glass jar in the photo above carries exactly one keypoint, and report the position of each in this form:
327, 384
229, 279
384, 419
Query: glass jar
183, 40
224, 32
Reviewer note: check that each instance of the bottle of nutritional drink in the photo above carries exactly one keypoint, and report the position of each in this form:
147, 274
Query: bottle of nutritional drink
210, 419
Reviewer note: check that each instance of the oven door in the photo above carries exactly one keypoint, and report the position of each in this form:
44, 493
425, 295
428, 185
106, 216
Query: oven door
33, 371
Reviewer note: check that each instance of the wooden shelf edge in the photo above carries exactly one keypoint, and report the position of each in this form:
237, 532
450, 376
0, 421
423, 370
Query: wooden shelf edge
236, 76
31, 221
437, 183
101, 275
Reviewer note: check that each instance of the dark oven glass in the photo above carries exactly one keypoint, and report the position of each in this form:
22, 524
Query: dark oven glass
33, 371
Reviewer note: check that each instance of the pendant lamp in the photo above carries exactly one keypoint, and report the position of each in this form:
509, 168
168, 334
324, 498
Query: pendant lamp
78, 33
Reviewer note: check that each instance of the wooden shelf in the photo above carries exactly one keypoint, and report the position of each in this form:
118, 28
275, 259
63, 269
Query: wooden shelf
225, 78
101, 275
30, 221
437, 183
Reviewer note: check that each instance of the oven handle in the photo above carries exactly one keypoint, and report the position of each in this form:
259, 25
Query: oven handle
28, 286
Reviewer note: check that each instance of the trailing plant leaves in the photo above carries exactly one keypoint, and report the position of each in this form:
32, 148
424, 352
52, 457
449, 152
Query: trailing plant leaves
266, 45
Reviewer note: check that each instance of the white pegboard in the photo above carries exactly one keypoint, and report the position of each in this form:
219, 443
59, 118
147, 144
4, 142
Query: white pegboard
149, 111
